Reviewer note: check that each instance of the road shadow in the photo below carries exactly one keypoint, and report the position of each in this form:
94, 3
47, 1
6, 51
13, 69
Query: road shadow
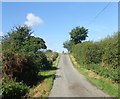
52, 68
41, 78
58, 76
55, 68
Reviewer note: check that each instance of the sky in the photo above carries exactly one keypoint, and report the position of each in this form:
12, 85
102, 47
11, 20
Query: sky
53, 21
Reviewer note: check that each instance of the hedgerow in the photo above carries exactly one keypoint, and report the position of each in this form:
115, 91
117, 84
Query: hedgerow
100, 57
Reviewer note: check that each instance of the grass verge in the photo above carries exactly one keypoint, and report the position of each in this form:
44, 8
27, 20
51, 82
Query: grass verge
104, 84
43, 88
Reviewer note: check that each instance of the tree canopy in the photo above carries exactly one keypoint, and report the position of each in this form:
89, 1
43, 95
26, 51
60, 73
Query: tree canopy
78, 34
20, 39
68, 45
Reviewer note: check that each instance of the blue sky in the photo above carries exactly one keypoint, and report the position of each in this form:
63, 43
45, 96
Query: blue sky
53, 21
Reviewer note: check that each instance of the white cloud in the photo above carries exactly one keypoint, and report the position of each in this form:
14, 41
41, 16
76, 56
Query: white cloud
33, 20
1, 33
32, 34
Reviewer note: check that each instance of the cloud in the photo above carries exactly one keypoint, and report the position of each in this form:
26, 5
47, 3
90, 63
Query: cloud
1, 33
32, 34
33, 20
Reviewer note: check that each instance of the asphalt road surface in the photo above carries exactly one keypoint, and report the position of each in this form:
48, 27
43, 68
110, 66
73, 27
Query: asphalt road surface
70, 83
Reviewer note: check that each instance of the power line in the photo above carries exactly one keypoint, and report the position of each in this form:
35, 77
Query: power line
99, 13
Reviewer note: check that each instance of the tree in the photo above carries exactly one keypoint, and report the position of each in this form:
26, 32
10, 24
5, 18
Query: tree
20, 39
15, 38
22, 58
68, 45
78, 34
33, 44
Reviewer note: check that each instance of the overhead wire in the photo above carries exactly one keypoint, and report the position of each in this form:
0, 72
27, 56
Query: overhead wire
99, 13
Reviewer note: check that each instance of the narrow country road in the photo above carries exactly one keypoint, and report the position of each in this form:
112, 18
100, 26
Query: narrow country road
70, 83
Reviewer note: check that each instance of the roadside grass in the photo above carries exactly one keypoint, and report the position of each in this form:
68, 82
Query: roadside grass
105, 84
43, 89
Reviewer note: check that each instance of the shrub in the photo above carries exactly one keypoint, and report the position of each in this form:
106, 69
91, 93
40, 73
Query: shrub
19, 66
42, 61
110, 50
88, 53
13, 89
24, 67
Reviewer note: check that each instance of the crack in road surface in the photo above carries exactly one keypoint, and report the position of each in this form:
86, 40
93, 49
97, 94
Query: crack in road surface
70, 83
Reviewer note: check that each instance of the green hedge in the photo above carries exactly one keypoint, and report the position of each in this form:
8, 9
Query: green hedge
110, 50
13, 89
101, 57
88, 53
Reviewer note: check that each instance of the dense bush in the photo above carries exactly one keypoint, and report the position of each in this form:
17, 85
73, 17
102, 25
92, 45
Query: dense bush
12, 89
24, 67
88, 53
42, 61
110, 50
101, 57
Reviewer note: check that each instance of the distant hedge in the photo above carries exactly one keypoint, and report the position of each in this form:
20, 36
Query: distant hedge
51, 56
